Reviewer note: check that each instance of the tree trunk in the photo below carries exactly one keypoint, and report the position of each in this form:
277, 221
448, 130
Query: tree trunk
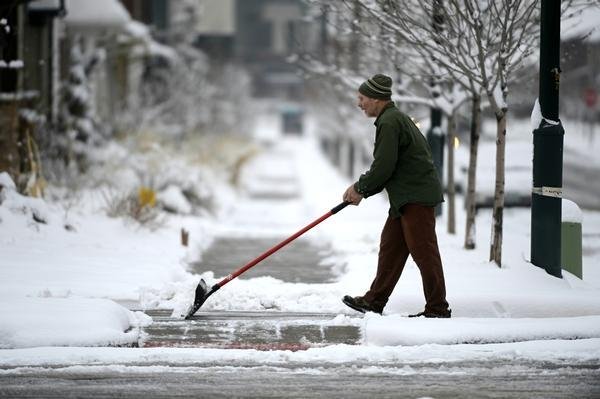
450, 174
10, 156
470, 242
496, 247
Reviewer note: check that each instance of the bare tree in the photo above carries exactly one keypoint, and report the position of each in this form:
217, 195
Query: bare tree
472, 171
388, 53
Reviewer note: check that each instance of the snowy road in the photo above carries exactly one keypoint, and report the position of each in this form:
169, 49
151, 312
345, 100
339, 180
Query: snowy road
493, 379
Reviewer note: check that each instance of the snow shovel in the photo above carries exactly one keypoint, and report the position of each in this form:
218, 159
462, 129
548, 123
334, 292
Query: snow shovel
202, 291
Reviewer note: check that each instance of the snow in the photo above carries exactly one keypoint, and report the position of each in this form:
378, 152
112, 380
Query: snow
571, 212
93, 14
155, 48
48, 269
6, 182
13, 64
437, 131
139, 31
33, 322
499, 97
397, 330
536, 115
16, 64
173, 199
561, 351
33, 208
581, 24
4, 24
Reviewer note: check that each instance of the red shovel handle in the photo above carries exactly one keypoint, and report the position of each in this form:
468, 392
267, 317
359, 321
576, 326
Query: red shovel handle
281, 244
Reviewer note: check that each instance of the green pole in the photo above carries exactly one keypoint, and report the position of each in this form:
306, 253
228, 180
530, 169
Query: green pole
435, 137
548, 149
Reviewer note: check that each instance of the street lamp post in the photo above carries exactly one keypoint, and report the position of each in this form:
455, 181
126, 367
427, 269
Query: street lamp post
435, 137
548, 149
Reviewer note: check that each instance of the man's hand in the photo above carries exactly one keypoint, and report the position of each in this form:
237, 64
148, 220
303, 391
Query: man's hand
352, 196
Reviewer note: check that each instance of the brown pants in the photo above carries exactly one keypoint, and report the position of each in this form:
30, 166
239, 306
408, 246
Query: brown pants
413, 233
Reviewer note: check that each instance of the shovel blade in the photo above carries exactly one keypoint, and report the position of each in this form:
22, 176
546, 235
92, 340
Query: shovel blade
199, 298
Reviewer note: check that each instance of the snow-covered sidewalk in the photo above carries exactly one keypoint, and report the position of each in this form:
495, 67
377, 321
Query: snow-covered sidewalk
44, 263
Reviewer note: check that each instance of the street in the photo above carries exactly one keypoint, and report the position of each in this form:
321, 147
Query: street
473, 380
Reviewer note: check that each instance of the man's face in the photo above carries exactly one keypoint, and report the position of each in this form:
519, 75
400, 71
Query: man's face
369, 105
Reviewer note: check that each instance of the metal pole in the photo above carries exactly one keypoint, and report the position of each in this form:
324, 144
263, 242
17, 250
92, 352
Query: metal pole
435, 136
546, 200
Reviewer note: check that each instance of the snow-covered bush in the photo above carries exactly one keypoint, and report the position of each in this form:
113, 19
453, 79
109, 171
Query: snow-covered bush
173, 200
137, 205
78, 128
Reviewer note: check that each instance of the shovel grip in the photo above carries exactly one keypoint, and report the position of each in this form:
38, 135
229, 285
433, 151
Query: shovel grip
340, 207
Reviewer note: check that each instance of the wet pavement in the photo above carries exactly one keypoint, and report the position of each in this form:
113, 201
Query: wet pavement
249, 330
499, 379
298, 262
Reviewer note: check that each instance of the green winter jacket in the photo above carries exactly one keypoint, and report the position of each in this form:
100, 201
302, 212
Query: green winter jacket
402, 164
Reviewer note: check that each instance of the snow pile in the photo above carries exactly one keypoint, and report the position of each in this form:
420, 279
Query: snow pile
34, 209
571, 212
96, 257
88, 14
560, 351
31, 322
249, 295
396, 330
173, 200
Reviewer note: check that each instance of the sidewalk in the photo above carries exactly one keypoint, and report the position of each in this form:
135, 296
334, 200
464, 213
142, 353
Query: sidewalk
283, 189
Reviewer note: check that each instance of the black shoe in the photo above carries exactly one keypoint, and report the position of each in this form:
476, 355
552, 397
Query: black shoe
359, 304
433, 315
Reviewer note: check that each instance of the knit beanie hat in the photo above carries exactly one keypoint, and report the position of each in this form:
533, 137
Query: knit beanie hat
379, 87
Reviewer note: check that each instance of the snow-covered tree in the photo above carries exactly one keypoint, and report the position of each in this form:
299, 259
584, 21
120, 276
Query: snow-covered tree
483, 45
418, 81
78, 128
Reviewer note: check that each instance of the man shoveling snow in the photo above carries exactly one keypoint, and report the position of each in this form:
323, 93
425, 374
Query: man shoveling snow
402, 166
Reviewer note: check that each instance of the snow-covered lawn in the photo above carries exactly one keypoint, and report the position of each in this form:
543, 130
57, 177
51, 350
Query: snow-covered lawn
107, 258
